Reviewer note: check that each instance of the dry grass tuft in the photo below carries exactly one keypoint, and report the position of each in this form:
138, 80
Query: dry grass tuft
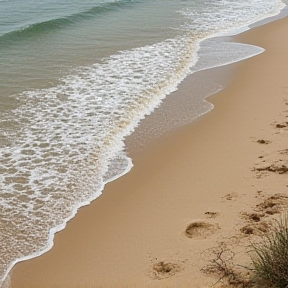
271, 256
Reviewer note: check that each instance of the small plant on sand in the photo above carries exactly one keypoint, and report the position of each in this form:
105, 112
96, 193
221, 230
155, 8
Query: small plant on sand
221, 264
270, 258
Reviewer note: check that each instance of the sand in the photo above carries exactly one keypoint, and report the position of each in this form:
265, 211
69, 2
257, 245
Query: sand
191, 192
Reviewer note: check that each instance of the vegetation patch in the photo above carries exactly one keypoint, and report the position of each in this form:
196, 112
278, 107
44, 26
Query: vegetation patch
270, 258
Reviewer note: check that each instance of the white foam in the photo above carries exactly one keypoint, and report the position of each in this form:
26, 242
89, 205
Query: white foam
70, 134
229, 17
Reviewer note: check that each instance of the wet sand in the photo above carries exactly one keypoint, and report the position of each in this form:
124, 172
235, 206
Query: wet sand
215, 172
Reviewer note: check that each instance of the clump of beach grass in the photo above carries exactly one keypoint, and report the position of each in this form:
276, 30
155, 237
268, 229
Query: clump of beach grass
270, 259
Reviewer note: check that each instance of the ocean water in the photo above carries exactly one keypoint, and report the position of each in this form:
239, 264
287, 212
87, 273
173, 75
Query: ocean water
77, 77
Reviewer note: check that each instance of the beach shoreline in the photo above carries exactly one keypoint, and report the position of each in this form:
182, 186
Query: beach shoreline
204, 167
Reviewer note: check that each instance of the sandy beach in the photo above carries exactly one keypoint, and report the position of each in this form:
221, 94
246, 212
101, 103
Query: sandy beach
212, 176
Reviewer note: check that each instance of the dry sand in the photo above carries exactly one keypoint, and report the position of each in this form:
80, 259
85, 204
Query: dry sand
214, 173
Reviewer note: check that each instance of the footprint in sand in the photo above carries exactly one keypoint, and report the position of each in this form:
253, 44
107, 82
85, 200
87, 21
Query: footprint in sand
254, 217
200, 229
164, 269
255, 226
272, 205
256, 229
231, 196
